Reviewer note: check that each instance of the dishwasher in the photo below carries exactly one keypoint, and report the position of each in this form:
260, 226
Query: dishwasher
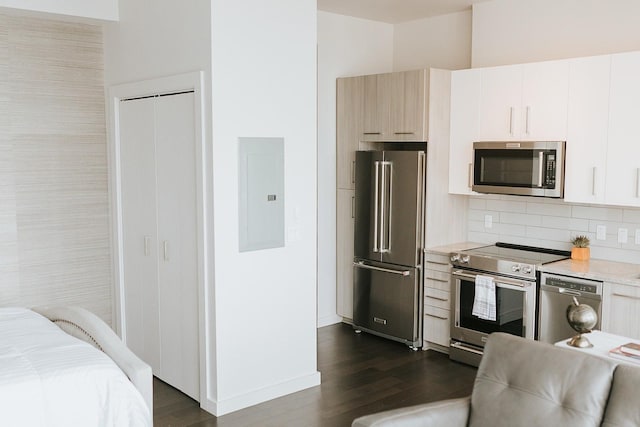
556, 294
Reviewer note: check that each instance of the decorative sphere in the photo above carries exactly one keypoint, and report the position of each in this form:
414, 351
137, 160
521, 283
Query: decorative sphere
582, 317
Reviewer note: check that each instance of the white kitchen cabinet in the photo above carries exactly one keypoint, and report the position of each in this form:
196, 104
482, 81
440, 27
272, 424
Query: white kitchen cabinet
160, 244
587, 129
437, 300
464, 127
623, 150
524, 102
349, 110
344, 252
621, 309
395, 106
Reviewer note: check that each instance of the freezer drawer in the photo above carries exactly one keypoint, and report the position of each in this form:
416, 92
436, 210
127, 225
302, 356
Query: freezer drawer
387, 301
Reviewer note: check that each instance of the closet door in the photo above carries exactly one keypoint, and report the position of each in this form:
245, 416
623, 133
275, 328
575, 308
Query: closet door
177, 242
159, 219
139, 224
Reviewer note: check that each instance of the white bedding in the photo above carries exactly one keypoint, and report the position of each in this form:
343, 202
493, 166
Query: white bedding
49, 378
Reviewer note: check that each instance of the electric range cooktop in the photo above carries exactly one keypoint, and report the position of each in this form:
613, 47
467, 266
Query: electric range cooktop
507, 259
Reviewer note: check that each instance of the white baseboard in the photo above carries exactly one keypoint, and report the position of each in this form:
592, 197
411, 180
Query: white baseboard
328, 320
223, 407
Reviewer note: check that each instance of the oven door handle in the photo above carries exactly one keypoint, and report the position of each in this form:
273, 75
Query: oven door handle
498, 281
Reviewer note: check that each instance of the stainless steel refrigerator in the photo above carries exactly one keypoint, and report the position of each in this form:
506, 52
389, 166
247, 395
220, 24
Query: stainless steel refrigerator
389, 235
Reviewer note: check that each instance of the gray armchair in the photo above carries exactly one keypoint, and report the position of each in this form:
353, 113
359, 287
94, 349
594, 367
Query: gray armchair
527, 383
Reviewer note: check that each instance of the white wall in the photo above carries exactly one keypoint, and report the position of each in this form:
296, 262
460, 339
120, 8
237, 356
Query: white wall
264, 84
346, 47
439, 42
106, 10
509, 32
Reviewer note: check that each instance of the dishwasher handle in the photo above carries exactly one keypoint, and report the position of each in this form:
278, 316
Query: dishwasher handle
571, 292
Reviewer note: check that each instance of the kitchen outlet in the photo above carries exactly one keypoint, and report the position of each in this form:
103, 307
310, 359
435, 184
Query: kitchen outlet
637, 236
623, 235
601, 232
488, 221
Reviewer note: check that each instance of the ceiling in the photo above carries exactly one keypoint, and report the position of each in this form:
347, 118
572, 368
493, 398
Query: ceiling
395, 11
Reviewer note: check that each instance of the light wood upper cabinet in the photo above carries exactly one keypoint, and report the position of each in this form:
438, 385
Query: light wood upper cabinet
408, 106
621, 310
587, 128
376, 107
623, 151
524, 102
394, 106
349, 110
464, 127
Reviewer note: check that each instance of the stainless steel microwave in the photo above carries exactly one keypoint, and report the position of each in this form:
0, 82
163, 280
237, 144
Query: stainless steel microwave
525, 168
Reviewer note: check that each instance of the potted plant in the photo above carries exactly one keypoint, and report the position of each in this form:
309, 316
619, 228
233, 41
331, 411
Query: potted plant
580, 250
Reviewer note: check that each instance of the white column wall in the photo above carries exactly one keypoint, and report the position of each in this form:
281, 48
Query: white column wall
347, 46
264, 85
510, 32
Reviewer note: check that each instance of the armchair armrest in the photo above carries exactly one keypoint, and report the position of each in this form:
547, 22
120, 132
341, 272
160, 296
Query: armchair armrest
450, 413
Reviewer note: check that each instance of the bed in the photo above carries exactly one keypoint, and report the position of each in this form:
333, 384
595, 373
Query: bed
63, 366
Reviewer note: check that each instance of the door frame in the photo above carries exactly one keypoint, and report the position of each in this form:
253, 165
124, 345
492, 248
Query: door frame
192, 81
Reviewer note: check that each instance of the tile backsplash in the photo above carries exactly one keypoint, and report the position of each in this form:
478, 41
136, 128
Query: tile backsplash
553, 223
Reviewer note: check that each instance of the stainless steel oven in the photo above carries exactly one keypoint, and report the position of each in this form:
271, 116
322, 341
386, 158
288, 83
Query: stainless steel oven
515, 313
514, 271
524, 168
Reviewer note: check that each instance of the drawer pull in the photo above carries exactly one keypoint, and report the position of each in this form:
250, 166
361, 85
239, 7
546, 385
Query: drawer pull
437, 280
437, 298
617, 294
437, 317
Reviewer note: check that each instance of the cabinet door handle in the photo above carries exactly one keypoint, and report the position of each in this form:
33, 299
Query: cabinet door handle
353, 207
165, 250
404, 133
470, 175
372, 133
593, 181
511, 121
526, 120
618, 294
638, 182
353, 172
147, 245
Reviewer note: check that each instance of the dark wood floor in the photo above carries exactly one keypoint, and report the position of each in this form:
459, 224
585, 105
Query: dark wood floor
361, 374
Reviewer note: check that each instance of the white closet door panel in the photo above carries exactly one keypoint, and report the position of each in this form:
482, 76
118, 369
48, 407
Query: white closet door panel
177, 227
137, 163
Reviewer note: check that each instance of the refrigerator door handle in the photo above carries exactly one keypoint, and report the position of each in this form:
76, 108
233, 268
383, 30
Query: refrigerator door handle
361, 264
375, 206
387, 225
385, 207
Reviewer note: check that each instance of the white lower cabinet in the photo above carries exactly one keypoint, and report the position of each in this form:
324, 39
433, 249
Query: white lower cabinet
621, 310
159, 236
437, 300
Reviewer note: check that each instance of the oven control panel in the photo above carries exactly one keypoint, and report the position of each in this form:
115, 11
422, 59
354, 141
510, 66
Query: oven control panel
493, 265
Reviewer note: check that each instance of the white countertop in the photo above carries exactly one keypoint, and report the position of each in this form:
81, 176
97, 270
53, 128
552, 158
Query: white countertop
603, 343
455, 247
597, 269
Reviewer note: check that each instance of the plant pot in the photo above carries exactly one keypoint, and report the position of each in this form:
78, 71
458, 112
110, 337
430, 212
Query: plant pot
580, 254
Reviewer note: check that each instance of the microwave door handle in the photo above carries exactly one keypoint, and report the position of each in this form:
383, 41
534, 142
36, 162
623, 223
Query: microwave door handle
541, 168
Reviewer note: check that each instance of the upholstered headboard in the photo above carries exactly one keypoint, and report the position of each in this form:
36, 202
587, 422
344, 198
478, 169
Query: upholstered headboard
83, 324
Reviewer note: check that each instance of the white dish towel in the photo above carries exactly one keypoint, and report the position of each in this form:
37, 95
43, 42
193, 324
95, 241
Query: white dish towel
484, 301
